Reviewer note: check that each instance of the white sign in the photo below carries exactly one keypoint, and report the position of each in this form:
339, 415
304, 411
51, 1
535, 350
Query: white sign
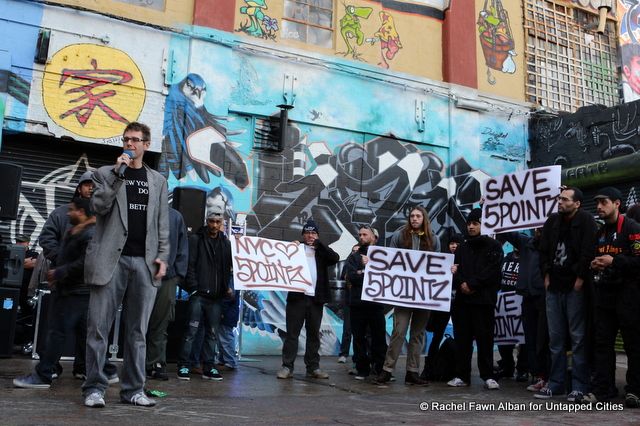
409, 278
263, 264
508, 328
521, 200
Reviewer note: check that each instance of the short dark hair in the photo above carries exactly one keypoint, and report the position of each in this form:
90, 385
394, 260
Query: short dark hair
84, 204
628, 51
135, 126
577, 193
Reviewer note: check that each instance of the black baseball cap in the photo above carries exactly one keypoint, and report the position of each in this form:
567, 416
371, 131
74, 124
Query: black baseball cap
609, 192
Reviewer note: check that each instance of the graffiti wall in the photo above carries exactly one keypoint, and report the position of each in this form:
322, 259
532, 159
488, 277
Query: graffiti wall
357, 149
629, 11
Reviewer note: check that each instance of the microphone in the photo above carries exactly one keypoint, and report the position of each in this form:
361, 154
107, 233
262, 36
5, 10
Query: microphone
123, 167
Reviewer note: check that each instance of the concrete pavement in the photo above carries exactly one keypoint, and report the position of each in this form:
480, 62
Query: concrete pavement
253, 395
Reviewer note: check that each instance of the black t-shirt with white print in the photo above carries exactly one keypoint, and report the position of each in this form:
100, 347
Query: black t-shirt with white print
137, 188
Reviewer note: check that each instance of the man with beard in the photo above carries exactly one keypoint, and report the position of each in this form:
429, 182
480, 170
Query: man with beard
69, 309
476, 282
617, 290
566, 250
365, 314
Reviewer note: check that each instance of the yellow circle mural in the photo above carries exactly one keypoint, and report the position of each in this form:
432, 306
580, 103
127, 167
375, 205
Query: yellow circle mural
93, 91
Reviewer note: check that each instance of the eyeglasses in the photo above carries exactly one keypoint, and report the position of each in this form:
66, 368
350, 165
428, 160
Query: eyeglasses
126, 139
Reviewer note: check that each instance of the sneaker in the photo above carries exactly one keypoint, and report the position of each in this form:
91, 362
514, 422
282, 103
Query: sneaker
537, 385
457, 383
631, 400
342, 360
183, 373
587, 398
31, 381
94, 400
522, 377
113, 378
317, 374
360, 376
158, 372
383, 378
139, 399
412, 378
575, 396
544, 393
80, 376
491, 384
212, 374
284, 373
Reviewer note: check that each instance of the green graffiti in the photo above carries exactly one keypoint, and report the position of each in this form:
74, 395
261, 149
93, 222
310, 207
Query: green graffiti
258, 24
350, 28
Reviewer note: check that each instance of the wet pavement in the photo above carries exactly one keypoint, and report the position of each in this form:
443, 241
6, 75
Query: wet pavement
253, 395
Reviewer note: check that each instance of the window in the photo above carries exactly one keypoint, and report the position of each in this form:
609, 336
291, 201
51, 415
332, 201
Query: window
309, 21
568, 64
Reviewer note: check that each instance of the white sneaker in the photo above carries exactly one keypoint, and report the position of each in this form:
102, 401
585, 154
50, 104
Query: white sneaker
456, 383
342, 360
284, 373
491, 384
139, 399
94, 400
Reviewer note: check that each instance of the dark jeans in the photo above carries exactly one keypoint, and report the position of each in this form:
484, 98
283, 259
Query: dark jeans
437, 324
210, 311
299, 312
369, 316
469, 322
536, 335
67, 316
625, 316
163, 313
345, 342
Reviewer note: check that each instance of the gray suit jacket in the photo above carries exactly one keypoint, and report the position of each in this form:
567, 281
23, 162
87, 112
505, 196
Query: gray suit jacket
109, 202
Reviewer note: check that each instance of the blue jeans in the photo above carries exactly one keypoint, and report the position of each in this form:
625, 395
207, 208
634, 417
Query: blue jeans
227, 354
210, 311
566, 315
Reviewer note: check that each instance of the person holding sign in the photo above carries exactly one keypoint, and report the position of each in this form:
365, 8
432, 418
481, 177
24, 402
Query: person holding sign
303, 309
617, 289
476, 281
566, 250
365, 314
415, 235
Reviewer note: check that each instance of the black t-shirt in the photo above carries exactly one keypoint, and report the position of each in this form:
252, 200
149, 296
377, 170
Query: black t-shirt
510, 272
562, 277
137, 201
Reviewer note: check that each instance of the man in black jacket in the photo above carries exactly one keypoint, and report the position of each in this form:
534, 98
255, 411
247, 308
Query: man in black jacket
476, 281
365, 314
207, 283
302, 309
566, 249
617, 301
70, 306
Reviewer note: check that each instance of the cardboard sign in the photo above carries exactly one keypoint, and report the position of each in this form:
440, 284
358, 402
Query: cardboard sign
508, 328
521, 200
409, 278
263, 264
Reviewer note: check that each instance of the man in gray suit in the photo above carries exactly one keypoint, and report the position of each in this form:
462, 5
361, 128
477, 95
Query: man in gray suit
125, 263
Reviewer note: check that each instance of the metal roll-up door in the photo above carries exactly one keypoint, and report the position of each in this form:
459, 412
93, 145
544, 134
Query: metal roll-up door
51, 170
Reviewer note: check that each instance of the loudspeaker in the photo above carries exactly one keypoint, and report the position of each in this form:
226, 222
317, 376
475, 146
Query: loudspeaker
192, 203
9, 297
11, 265
11, 178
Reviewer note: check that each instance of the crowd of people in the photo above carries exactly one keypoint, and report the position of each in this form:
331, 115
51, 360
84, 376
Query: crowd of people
119, 243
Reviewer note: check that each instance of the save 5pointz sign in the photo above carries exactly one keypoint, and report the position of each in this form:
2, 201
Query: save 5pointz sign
521, 200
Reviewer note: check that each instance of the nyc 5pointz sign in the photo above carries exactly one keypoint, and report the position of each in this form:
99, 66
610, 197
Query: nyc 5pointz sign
409, 278
521, 200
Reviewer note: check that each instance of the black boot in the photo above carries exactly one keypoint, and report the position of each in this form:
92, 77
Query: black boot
412, 378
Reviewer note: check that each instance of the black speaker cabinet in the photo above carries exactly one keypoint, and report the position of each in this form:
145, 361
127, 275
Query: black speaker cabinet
191, 202
11, 178
11, 265
9, 298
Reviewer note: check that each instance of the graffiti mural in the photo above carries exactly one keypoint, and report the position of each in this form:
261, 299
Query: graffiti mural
351, 28
257, 23
93, 91
389, 39
630, 48
496, 39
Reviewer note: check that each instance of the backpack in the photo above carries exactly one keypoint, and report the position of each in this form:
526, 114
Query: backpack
444, 365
